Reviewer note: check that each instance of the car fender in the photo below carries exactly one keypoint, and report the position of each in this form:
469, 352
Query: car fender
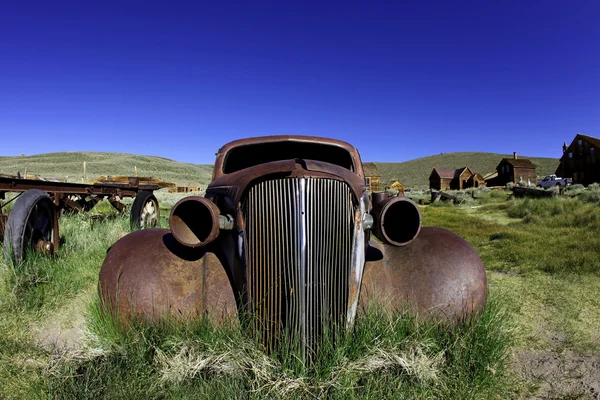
148, 274
439, 276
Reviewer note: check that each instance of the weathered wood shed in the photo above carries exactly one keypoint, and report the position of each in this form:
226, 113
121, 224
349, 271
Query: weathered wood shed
372, 176
441, 178
476, 180
453, 179
462, 177
516, 170
580, 160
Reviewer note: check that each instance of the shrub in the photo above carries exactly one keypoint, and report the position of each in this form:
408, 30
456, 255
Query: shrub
464, 197
558, 211
575, 187
590, 196
416, 195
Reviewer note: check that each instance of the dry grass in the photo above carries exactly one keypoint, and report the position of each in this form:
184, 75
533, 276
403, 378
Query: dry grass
69, 165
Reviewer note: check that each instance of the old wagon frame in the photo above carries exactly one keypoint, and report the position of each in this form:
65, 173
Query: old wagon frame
33, 220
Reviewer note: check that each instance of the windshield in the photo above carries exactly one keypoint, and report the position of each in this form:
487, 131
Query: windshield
245, 156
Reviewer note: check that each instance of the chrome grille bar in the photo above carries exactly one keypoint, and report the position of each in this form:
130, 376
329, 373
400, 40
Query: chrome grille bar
299, 234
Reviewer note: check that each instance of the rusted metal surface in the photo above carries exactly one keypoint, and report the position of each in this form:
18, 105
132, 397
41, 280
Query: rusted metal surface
44, 247
223, 151
73, 196
235, 185
9, 184
78, 203
116, 204
194, 221
439, 275
148, 274
397, 220
287, 242
71, 204
3, 219
55, 232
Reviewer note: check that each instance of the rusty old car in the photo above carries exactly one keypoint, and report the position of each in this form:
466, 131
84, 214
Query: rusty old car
283, 237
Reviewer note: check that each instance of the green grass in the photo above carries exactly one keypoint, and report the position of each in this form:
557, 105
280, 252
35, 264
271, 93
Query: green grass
543, 270
415, 173
384, 356
554, 235
35, 290
545, 254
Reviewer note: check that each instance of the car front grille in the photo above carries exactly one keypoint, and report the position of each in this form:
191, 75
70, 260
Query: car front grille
299, 234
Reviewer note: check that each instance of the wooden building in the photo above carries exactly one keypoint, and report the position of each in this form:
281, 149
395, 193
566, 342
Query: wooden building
515, 170
395, 185
372, 177
476, 180
491, 179
580, 160
185, 187
441, 178
454, 179
463, 177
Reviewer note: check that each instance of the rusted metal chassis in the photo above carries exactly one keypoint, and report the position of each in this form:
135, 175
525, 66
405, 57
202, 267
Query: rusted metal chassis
227, 193
161, 271
60, 192
157, 272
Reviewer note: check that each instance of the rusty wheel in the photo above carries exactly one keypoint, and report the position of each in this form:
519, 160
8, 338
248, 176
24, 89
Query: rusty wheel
144, 211
30, 225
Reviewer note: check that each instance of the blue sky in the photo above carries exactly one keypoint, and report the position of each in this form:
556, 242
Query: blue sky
399, 80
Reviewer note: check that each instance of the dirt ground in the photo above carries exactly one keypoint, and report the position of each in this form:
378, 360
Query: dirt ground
66, 329
565, 375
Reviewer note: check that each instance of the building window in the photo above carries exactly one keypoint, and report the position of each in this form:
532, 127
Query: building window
592, 150
570, 154
521, 179
368, 183
579, 142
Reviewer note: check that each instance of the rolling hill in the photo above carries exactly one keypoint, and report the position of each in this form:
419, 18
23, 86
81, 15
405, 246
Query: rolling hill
70, 165
413, 173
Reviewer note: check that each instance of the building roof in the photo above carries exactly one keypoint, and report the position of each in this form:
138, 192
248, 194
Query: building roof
445, 173
519, 162
397, 185
370, 169
460, 171
594, 141
491, 175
